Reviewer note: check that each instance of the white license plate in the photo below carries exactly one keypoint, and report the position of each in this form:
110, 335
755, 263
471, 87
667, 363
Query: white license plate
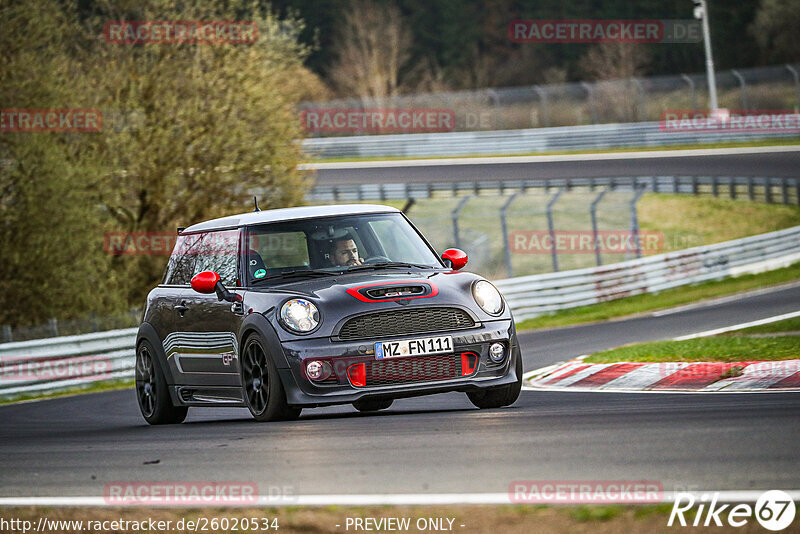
413, 347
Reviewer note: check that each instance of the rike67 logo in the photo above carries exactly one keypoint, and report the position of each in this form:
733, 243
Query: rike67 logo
774, 510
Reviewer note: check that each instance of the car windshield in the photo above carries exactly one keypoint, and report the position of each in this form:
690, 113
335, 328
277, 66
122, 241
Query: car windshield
335, 244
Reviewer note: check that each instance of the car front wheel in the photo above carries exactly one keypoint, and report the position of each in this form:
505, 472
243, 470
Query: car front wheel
263, 391
499, 396
151, 390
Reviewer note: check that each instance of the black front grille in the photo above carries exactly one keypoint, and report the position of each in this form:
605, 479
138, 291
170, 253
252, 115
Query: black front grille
409, 370
401, 322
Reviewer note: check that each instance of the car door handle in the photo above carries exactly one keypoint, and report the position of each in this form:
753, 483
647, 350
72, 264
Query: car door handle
182, 308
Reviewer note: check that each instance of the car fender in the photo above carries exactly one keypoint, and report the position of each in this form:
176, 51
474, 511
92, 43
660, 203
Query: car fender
256, 322
146, 331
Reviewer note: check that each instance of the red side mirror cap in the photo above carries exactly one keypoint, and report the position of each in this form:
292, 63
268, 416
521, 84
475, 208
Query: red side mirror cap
205, 282
456, 257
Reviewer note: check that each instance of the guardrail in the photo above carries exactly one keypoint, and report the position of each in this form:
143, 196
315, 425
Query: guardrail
769, 189
56, 364
523, 141
530, 296
59, 363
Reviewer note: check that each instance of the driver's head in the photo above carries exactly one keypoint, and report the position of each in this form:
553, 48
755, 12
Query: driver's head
344, 252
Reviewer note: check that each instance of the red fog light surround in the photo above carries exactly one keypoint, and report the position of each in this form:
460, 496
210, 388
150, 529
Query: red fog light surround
469, 361
357, 374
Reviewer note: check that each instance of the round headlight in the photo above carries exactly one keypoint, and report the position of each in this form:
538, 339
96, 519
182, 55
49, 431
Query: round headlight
487, 297
300, 315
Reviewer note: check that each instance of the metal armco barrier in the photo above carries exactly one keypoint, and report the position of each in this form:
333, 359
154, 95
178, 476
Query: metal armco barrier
54, 364
59, 363
523, 141
768, 189
530, 296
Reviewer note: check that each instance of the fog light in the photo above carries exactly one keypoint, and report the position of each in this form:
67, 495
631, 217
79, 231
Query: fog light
497, 352
314, 370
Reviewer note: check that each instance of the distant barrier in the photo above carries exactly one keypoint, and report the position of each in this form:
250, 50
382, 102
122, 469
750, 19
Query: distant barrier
524, 141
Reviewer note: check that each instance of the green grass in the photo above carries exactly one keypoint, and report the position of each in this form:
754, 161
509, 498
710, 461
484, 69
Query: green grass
110, 385
705, 349
665, 299
787, 325
732, 144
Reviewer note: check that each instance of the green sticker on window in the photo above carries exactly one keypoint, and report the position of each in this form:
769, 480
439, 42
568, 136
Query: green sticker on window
261, 273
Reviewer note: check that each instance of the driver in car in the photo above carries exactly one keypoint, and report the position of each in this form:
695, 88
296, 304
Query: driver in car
344, 252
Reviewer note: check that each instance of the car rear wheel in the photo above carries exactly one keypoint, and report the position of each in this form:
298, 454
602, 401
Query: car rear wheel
369, 405
499, 396
151, 390
263, 390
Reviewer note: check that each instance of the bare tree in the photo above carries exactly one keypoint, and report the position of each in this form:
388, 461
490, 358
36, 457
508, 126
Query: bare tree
372, 43
615, 66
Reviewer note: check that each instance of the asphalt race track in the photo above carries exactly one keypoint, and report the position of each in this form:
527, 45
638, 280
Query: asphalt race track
74, 446
584, 166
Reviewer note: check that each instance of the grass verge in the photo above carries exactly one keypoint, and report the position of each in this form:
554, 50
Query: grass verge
704, 349
665, 299
97, 387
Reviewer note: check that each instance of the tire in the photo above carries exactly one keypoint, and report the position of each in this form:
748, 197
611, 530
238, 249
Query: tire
151, 389
499, 396
261, 385
372, 405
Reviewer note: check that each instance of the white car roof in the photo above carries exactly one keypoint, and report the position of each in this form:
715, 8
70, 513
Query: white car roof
288, 214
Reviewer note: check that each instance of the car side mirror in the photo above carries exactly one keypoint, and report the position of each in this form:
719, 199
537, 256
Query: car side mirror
208, 282
455, 257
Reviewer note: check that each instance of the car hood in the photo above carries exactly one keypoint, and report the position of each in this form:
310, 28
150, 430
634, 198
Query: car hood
343, 296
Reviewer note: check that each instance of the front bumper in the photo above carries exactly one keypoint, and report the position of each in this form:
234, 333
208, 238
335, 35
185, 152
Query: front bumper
339, 389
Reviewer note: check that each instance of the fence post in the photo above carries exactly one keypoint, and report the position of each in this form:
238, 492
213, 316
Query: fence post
635, 220
693, 88
593, 213
551, 228
454, 216
590, 93
767, 191
545, 107
742, 88
7, 334
796, 86
53, 326
642, 99
732, 189
498, 119
504, 224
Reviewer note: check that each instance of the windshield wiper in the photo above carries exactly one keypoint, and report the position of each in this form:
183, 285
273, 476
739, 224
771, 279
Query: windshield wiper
388, 265
299, 273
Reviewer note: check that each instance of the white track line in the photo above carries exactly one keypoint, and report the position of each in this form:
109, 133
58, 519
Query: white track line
738, 326
397, 499
500, 160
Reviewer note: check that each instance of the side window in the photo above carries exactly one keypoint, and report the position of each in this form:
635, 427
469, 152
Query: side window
209, 251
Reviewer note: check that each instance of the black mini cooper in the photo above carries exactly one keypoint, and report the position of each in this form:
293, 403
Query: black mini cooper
314, 306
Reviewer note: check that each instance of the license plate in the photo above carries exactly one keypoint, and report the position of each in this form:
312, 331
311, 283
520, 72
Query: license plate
413, 347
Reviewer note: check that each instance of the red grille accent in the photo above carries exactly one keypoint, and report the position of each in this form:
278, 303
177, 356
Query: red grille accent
410, 370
